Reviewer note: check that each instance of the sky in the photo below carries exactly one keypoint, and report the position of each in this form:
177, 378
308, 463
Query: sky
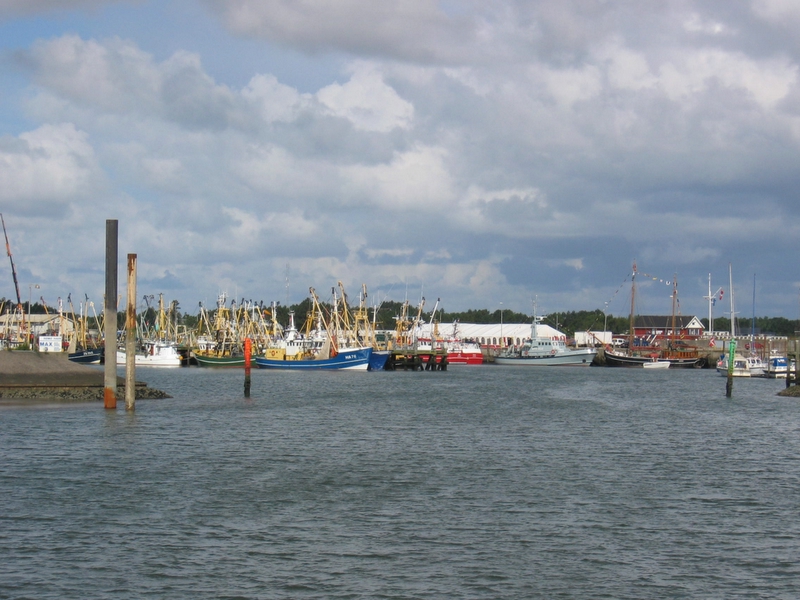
486, 153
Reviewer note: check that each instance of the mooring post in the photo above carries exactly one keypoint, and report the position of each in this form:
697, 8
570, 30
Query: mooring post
110, 349
130, 337
729, 382
247, 351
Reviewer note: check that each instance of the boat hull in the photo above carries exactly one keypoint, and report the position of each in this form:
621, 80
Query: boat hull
378, 359
356, 359
621, 360
464, 358
219, 361
87, 357
777, 368
580, 357
657, 364
162, 359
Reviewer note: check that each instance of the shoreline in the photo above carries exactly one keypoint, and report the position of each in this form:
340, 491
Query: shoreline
29, 376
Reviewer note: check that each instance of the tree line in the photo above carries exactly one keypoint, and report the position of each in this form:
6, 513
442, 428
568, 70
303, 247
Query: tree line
387, 313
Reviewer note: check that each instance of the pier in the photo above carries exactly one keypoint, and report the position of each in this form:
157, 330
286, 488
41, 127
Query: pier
31, 376
417, 360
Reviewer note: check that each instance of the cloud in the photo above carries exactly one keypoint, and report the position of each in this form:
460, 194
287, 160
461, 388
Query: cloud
416, 29
414, 180
479, 149
367, 101
781, 13
47, 169
16, 8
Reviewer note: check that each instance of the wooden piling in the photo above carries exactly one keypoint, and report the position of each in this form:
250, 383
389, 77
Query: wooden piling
130, 337
248, 348
729, 381
110, 372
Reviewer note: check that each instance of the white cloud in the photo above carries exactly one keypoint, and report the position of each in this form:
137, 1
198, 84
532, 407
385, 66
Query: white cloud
54, 163
367, 101
592, 129
783, 13
275, 101
696, 24
415, 179
767, 81
114, 76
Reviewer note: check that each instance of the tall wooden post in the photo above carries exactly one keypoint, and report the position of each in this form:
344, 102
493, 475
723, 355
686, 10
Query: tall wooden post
248, 348
729, 382
110, 351
130, 337
789, 373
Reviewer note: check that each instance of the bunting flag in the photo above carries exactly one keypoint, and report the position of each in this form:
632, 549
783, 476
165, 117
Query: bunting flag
667, 282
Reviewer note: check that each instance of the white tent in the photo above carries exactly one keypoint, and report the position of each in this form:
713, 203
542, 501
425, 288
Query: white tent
489, 334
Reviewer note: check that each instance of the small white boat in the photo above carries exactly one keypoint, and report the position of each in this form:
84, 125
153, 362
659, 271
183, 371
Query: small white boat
156, 353
777, 366
656, 364
743, 366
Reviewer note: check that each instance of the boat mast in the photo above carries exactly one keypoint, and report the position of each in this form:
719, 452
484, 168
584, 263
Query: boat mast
710, 305
674, 301
633, 308
753, 322
733, 312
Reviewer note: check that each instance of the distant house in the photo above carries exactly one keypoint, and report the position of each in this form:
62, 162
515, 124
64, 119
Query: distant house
657, 327
36, 324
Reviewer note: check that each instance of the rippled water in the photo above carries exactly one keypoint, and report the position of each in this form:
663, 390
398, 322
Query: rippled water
484, 482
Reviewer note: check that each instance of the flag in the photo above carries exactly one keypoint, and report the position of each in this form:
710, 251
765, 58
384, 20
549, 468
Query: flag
712, 342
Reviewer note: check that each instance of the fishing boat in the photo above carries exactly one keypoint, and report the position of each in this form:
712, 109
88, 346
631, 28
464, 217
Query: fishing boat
460, 352
89, 356
674, 353
155, 353
325, 344
219, 344
225, 360
157, 345
364, 330
545, 351
83, 348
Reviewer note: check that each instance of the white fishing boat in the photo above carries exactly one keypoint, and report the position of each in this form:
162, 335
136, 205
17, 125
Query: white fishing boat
545, 351
155, 353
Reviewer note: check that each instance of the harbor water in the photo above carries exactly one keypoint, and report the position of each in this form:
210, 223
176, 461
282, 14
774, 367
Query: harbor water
477, 482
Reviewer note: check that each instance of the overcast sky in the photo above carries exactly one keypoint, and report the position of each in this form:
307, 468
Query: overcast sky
484, 152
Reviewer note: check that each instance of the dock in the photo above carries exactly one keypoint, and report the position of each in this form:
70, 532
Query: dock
44, 376
417, 360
